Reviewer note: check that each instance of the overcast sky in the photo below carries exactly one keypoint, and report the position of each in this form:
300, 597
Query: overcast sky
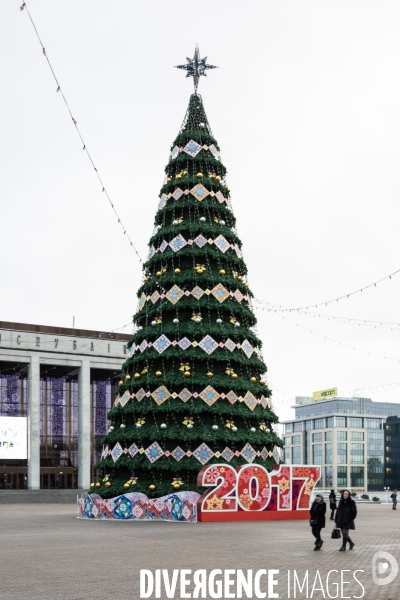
305, 107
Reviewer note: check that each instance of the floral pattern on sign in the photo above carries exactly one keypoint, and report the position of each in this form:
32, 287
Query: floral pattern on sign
253, 487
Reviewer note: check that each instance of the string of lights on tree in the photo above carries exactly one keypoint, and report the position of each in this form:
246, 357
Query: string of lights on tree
77, 129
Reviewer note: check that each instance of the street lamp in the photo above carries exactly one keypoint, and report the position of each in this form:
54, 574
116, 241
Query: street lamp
386, 489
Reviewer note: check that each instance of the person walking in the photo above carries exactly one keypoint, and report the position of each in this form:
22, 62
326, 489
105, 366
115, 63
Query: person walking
317, 520
345, 515
332, 502
394, 499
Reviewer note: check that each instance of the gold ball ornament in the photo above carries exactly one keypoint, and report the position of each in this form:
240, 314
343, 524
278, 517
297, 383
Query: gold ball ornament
92, 485
152, 487
187, 373
218, 178
108, 483
222, 272
246, 284
240, 278
177, 271
145, 279
199, 174
168, 179
234, 375
209, 374
253, 379
176, 486
178, 176
121, 382
136, 375
158, 273
98, 484
226, 187
128, 377
158, 373
126, 485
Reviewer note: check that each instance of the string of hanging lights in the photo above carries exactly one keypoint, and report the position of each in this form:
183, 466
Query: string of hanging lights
337, 342
281, 308
85, 148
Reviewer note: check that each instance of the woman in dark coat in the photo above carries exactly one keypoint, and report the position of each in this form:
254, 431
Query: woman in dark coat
345, 515
317, 519
332, 502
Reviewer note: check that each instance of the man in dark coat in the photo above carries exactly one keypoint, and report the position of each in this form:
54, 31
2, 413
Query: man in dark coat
317, 520
332, 502
345, 515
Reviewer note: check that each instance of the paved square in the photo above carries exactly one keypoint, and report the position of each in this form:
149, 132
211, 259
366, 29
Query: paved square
46, 553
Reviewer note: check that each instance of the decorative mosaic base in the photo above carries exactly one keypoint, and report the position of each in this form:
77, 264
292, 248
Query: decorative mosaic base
134, 506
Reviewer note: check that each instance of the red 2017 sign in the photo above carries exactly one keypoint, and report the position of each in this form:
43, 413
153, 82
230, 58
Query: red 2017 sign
250, 493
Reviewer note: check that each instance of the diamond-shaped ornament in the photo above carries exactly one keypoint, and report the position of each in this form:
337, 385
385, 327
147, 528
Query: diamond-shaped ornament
143, 346
208, 344
227, 454
133, 450
154, 297
176, 194
238, 295
161, 344
200, 241
213, 150
276, 453
250, 401
264, 453
175, 152
222, 243
231, 396
209, 395
140, 395
199, 191
154, 452
264, 402
185, 395
178, 453
247, 348
248, 453
203, 454
174, 294
184, 343
192, 148
163, 201
116, 452
177, 243
161, 394
230, 345
220, 293
220, 197
125, 398
197, 292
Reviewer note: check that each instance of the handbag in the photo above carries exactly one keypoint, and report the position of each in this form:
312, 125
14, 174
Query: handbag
313, 522
336, 533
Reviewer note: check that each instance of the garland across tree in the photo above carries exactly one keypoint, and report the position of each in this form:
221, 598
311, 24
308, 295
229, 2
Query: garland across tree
193, 390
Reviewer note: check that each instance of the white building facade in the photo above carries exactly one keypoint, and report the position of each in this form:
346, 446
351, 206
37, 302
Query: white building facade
62, 381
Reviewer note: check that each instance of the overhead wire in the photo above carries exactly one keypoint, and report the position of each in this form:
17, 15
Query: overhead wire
85, 148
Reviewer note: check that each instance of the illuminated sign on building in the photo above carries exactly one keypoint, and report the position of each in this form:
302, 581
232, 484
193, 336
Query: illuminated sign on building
13, 437
323, 394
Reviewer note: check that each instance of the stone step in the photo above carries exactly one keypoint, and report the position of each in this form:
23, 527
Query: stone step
39, 496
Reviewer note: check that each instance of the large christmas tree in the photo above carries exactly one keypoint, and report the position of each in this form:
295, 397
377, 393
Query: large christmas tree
193, 391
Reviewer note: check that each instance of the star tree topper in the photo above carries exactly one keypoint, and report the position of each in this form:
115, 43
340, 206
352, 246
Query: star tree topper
196, 67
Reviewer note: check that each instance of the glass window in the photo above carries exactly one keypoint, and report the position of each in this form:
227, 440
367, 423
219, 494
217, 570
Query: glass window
317, 437
328, 477
286, 452
308, 425
317, 454
319, 423
288, 427
286, 440
341, 435
356, 453
342, 477
357, 436
355, 422
357, 476
373, 423
342, 452
328, 454
296, 455
329, 422
296, 439
328, 436
298, 426
340, 421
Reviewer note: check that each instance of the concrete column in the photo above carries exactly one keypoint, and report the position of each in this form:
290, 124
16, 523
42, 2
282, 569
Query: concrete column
34, 423
84, 426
